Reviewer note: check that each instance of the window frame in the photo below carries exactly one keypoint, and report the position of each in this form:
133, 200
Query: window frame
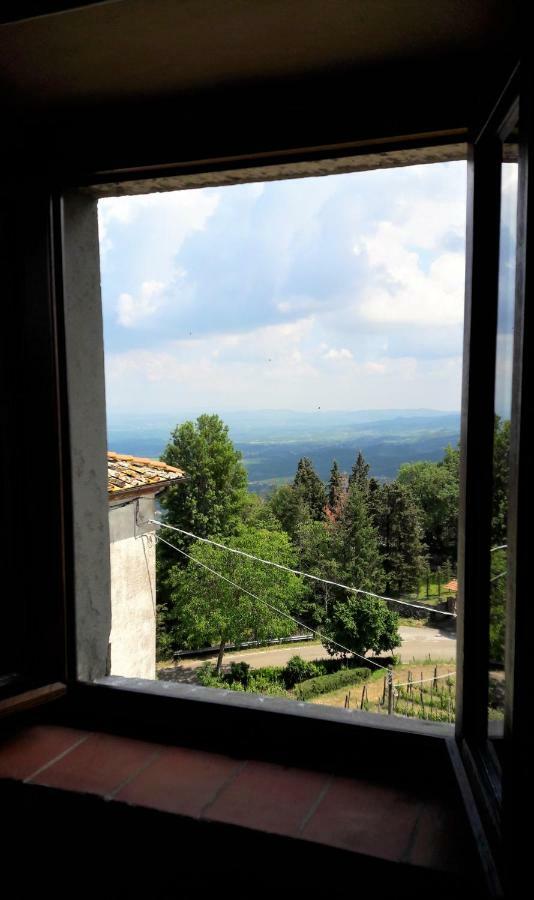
267, 727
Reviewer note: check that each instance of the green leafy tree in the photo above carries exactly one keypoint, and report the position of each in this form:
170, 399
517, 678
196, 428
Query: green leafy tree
208, 502
210, 499
205, 609
318, 547
258, 513
435, 489
397, 520
288, 505
362, 623
313, 492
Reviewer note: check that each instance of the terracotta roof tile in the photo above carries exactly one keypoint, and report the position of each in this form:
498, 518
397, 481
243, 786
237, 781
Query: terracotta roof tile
126, 473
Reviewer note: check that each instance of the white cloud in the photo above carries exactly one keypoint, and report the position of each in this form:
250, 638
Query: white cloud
130, 310
342, 353
168, 218
399, 290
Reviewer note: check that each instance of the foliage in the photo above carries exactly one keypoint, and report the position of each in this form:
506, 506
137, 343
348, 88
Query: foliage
336, 490
435, 490
323, 684
313, 491
257, 513
319, 550
362, 623
359, 555
298, 669
360, 473
209, 501
206, 608
289, 507
397, 520
501, 469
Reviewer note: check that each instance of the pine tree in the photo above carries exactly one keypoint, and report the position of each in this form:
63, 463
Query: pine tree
397, 520
312, 488
360, 555
335, 489
360, 473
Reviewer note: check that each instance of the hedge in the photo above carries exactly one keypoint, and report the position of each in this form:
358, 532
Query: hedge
323, 684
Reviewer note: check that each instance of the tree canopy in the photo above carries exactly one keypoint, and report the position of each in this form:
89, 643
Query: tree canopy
206, 609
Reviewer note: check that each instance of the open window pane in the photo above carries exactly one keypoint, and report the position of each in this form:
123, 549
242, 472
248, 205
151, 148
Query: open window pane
283, 364
501, 443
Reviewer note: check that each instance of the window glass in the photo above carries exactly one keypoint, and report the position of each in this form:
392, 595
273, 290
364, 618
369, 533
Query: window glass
501, 441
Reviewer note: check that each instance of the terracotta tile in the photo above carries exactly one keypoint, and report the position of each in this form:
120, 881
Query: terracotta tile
365, 818
27, 751
180, 781
439, 841
268, 797
98, 766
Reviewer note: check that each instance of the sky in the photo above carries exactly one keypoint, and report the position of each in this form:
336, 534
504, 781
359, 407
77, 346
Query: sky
339, 292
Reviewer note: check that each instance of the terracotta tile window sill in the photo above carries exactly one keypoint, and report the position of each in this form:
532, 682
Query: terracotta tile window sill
350, 814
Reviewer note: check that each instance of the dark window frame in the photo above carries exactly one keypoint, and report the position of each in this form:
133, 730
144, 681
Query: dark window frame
270, 729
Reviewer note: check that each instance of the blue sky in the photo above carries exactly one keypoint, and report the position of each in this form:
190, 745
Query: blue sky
344, 292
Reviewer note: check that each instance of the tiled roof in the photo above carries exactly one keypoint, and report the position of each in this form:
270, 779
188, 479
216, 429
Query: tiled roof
128, 473
452, 585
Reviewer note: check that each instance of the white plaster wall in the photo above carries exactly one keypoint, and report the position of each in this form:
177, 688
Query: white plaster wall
84, 345
133, 591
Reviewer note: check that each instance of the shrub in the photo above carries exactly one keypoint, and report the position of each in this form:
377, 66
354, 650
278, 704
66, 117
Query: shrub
240, 672
323, 684
298, 669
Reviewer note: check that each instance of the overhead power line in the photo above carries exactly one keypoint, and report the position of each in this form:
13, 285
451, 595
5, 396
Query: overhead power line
280, 612
268, 562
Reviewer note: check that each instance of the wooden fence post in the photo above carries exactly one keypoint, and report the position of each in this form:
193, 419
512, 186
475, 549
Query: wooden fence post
390, 691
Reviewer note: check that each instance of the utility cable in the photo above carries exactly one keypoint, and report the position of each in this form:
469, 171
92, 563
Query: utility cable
268, 562
270, 605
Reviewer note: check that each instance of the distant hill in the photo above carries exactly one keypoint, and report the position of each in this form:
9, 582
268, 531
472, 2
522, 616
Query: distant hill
272, 441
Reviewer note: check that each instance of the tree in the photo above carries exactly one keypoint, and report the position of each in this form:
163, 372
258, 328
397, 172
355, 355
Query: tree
397, 520
312, 488
359, 554
288, 505
360, 473
208, 502
319, 554
210, 499
258, 513
435, 489
362, 623
206, 609
501, 469
335, 490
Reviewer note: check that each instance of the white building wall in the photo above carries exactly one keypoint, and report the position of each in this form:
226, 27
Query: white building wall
133, 590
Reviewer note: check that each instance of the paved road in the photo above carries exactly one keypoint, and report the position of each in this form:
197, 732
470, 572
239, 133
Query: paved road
416, 642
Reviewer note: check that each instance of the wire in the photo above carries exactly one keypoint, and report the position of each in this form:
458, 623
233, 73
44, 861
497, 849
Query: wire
269, 562
500, 575
502, 547
274, 608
